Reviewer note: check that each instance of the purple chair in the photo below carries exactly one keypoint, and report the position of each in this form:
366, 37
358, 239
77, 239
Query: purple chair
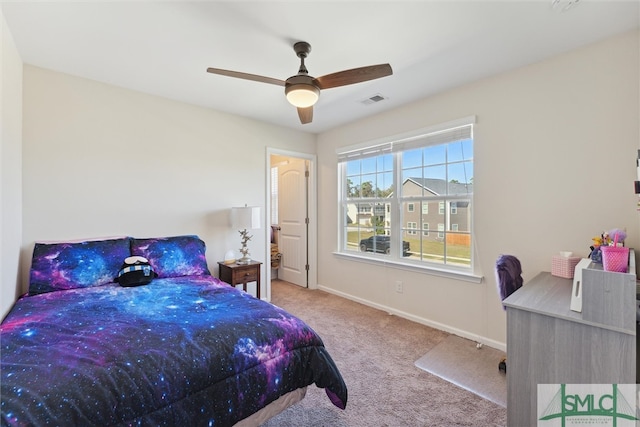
508, 279
508, 275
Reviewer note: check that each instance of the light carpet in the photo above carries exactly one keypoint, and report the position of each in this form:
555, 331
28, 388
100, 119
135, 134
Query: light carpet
375, 353
460, 362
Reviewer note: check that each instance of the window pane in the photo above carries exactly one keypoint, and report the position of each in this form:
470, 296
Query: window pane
432, 249
412, 158
435, 155
385, 184
354, 229
385, 163
367, 186
413, 173
369, 165
459, 249
460, 174
353, 186
352, 215
460, 150
353, 167
436, 172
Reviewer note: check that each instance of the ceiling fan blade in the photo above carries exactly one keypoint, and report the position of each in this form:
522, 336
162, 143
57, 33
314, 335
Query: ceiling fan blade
305, 114
355, 75
246, 76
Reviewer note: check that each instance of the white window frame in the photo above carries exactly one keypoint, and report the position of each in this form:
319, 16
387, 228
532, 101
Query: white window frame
395, 145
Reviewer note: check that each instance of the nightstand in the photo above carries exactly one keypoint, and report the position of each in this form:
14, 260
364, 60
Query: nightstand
235, 274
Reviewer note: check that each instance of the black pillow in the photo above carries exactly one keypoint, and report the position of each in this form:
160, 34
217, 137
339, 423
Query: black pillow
135, 271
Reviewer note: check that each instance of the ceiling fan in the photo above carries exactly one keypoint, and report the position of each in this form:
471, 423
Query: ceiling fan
303, 90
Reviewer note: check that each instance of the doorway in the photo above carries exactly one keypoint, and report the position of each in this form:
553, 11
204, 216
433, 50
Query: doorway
291, 218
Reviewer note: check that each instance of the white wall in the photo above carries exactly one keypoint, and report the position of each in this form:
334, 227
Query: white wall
555, 151
10, 167
101, 160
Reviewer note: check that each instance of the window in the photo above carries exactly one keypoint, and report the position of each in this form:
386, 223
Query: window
411, 228
364, 209
390, 177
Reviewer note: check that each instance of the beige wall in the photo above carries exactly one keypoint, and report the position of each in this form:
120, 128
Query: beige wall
555, 151
10, 167
102, 161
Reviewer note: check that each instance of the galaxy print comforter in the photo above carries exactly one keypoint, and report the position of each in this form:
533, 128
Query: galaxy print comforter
182, 351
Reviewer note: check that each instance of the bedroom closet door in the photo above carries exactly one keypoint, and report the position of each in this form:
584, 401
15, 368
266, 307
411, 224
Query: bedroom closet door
293, 178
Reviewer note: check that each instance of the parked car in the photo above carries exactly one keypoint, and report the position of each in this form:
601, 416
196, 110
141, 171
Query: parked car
381, 244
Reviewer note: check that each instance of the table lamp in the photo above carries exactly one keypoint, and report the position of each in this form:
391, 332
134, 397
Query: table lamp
243, 219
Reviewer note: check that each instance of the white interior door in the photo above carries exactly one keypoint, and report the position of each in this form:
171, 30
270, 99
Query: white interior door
292, 215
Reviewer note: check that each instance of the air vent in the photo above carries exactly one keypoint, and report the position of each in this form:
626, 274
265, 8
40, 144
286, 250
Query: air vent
373, 99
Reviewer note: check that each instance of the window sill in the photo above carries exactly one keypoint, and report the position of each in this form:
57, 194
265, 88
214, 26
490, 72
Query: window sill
450, 274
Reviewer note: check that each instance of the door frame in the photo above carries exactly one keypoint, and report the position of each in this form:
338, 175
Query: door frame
312, 238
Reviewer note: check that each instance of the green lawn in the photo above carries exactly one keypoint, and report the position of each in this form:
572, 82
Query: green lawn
432, 250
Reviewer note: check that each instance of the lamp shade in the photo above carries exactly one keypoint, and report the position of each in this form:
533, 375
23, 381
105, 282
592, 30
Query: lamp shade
302, 95
247, 217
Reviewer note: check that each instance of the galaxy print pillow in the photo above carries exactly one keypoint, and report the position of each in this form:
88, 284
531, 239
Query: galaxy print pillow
173, 256
70, 265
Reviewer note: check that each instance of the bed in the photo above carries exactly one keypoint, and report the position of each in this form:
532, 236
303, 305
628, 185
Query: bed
185, 349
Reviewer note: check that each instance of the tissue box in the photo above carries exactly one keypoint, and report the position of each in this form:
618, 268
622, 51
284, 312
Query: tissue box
563, 266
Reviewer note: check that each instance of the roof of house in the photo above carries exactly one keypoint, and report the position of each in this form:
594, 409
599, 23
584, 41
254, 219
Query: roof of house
439, 186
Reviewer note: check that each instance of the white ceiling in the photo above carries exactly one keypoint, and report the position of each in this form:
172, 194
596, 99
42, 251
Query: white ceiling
164, 48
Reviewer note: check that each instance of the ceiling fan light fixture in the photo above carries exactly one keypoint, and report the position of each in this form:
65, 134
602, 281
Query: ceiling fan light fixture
302, 95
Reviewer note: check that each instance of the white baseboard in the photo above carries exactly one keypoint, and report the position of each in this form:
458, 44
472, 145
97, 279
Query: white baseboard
436, 325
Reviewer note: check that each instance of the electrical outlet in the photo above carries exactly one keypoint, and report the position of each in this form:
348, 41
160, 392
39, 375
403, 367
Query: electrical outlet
399, 286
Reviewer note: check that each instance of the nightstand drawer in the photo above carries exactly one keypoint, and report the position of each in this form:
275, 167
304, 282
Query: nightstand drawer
241, 275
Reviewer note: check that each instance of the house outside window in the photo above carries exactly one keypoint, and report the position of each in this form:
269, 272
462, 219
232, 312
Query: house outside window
390, 178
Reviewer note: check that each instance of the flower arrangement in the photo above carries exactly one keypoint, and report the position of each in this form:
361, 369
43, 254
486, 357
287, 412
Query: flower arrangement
613, 237
616, 237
